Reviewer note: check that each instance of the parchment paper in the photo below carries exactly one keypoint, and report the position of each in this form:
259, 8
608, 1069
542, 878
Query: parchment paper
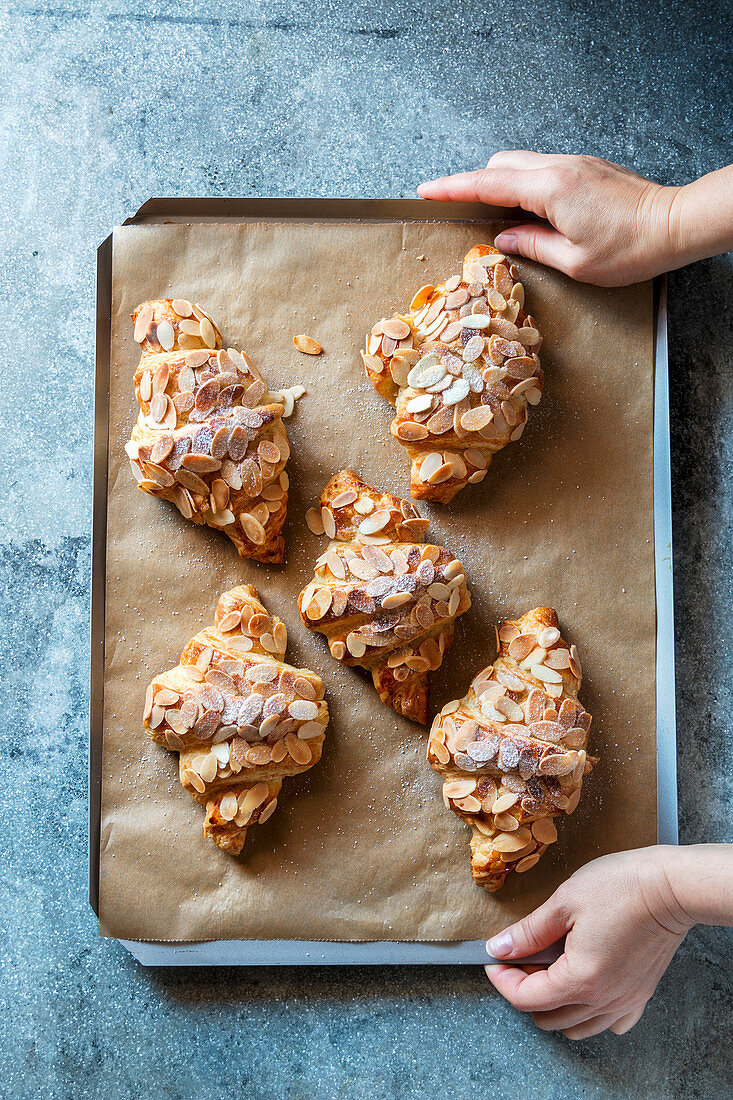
361, 847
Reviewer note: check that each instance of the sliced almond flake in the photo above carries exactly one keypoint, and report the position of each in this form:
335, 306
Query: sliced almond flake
374, 523
490, 260
314, 521
517, 292
527, 863
429, 371
535, 656
342, 500
208, 333
328, 521
421, 403
527, 336
396, 329
558, 658
547, 675
558, 763
166, 697
422, 296
336, 564
228, 807
435, 328
395, 600
521, 367
430, 465
410, 432
165, 335
304, 710
443, 473
355, 644
230, 621
459, 788
575, 665
476, 321
148, 702
504, 802
252, 528
476, 419
548, 637
142, 324
509, 412
520, 645
438, 750
161, 378
456, 392
146, 386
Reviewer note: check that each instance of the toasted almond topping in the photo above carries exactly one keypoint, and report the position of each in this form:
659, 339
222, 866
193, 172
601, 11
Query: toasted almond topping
165, 335
328, 521
396, 329
374, 523
422, 296
142, 324
575, 665
548, 637
410, 432
527, 863
307, 345
252, 528
314, 521
459, 788
544, 830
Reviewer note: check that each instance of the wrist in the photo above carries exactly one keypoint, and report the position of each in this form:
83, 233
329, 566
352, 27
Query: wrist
660, 871
700, 218
701, 880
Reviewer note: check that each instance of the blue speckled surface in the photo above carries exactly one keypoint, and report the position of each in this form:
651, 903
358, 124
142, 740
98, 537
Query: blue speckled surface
106, 104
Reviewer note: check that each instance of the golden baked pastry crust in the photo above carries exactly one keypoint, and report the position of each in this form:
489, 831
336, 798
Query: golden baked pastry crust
202, 439
512, 752
461, 392
240, 718
384, 599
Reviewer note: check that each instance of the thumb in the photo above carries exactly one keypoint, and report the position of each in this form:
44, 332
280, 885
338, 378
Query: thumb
541, 243
536, 931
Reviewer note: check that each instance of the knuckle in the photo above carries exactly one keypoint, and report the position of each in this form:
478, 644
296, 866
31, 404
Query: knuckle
485, 178
587, 989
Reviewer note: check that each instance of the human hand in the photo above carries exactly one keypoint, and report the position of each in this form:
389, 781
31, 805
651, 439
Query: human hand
607, 225
622, 922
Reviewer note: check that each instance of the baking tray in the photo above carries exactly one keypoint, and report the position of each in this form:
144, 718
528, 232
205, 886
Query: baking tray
313, 953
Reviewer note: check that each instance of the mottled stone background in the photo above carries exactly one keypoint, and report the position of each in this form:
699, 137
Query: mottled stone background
105, 104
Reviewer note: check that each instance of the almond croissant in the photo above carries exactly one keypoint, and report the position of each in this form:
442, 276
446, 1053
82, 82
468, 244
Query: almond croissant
384, 599
512, 751
239, 717
461, 368
202, 438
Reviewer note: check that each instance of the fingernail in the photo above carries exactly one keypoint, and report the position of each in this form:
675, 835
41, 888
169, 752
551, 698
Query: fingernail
500, 945
507, 241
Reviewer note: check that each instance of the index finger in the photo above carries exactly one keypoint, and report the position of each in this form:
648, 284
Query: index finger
498, 186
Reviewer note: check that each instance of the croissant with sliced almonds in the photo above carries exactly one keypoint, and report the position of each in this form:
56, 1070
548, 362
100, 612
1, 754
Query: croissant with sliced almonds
461, 368
384, 599
512, 752
240, 718
203, 439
